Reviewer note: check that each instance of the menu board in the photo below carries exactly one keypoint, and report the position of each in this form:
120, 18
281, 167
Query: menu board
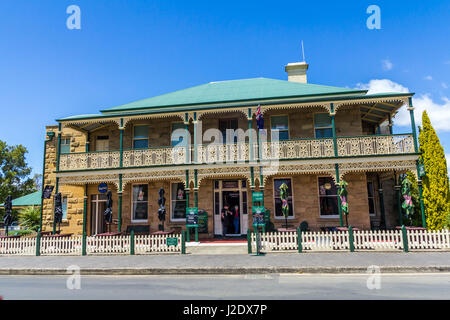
192, 216
203, 222
258, 216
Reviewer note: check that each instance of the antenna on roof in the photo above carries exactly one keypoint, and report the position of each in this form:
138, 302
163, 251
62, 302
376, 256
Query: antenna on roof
303, 52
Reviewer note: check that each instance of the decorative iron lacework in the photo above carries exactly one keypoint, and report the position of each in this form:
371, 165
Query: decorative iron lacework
240, 152
90, 179
398, 165
169, 175
321, 168
402, 100
220, 153
154, 157
200, 114
298, 149
375, 145
89, 160
73, 124
324, 105
224, 172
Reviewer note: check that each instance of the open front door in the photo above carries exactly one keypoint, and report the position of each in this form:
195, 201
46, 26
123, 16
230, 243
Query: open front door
234, 194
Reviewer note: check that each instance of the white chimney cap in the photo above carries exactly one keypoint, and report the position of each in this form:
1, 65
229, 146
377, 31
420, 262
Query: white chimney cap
297, 71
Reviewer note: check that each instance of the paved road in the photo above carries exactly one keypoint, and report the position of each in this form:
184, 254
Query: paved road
292, 286
338, 259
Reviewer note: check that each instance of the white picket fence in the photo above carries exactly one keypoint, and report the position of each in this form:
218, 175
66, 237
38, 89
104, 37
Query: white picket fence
314, 241
325, 241
156, 243
108, 244
270, 242
276, 241
362, 240
378, 240
420, 239
102, 245
21, 246
59, 246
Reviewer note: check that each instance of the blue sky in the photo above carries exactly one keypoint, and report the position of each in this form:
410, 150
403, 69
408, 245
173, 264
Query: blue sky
129, 50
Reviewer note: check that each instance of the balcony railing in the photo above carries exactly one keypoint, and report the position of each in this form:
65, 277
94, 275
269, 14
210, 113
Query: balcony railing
154, 157
241, 152
298, 149
375, 145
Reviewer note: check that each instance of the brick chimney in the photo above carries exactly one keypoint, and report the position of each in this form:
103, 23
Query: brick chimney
297, 71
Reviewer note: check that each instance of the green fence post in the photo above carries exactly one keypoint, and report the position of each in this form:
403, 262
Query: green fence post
405, 239
350, 239
249, 241
299, 240
38, 244
83, 244
196, 234
132, 242
183, 242
187, 234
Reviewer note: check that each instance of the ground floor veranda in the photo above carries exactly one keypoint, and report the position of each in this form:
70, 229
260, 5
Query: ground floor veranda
373, 197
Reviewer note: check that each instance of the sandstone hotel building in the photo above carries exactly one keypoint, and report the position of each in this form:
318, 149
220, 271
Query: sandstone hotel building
314, 136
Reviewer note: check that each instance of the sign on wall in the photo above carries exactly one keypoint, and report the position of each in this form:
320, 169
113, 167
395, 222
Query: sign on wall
257, 196
102, 187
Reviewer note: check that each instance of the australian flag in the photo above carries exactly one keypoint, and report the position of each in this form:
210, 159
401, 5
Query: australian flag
259, 119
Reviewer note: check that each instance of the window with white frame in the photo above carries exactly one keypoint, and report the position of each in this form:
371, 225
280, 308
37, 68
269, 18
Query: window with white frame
140, 137
278, 202
371, 197
322, 125
140, 202
328, 197
279, 125
178, 202
65, 145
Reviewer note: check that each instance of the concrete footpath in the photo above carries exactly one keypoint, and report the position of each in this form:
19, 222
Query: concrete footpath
357, 262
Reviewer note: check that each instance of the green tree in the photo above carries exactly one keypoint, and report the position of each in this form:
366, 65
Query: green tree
14, 174
435, 183
29, 217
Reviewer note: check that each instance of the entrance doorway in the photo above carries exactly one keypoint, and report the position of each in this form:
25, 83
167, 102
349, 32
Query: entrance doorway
234, 194
98, 207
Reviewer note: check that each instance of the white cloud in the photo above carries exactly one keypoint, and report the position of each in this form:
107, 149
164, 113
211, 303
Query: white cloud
444, 85
387, 65
439, 113
382, 86
447, 156
429, 78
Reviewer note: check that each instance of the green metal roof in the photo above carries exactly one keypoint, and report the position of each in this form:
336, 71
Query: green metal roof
32, 199
233, 91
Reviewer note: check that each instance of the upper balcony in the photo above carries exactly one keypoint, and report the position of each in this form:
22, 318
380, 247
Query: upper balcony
325, 125
294, 149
